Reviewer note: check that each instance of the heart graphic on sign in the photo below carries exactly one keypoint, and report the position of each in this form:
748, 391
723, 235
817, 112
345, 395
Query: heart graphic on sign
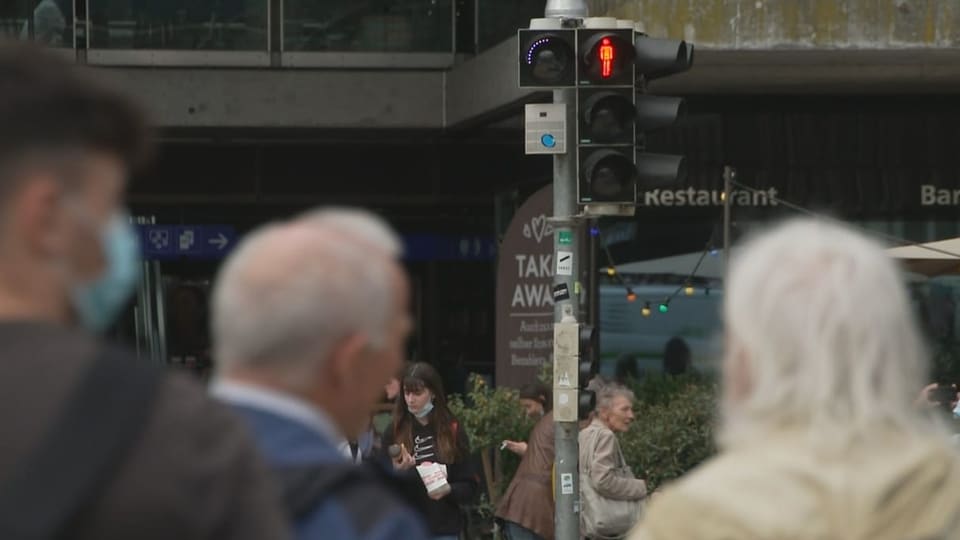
538, 228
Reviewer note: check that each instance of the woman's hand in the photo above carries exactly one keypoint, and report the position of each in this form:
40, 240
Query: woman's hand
518, 448
404, 461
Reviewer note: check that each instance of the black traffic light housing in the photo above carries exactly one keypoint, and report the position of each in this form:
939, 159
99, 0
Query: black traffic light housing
606, 117
587, 369
610, 69
657, 58
547, 58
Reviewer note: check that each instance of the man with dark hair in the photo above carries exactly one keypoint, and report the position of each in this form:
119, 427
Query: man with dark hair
536, 399
95, 446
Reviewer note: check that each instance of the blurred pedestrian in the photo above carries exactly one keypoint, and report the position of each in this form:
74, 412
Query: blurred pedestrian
820, 437
96, 446
309, 322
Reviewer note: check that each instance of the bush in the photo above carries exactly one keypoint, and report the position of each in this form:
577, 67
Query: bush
671, 433
490, 416
673, 428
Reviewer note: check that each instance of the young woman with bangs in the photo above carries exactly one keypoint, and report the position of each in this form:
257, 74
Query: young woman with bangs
427, 432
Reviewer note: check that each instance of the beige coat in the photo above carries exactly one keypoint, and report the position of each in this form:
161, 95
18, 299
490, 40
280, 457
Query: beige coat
601, 471
892, 488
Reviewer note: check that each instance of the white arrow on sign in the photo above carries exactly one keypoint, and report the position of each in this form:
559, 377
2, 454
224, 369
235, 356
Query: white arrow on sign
220, 241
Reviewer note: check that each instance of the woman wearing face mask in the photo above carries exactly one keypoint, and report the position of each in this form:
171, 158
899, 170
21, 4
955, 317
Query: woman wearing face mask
427, 432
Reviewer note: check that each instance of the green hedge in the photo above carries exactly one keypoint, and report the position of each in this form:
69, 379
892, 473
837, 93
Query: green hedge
491, 416
672, 430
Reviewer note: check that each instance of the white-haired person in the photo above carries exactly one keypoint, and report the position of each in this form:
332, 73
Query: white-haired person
610, 494
310, 321
819, 435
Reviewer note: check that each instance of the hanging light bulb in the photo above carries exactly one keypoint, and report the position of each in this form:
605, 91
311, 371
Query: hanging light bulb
664, 307
631, 296
689, 290
611, 271
646, 310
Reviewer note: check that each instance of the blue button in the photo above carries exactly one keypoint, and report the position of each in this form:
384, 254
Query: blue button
548, 140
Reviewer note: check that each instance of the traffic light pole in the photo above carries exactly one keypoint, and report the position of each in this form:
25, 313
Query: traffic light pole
566, 243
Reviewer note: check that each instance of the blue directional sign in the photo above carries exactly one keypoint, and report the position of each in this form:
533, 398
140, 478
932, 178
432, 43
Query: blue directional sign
166, 242
157, 240
434, 247
218, 240
188, 241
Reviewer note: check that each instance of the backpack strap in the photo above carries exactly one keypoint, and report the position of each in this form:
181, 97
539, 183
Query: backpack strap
304, 487
366, 491
97, 426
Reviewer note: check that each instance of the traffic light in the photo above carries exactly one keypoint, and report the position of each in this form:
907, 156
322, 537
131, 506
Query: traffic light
587, 369
547, 58
610, 69
606, 116
605, 57
657, 58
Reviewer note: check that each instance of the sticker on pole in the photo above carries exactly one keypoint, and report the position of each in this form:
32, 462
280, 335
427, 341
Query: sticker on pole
565, 238
561, 292
564, 263
566, 484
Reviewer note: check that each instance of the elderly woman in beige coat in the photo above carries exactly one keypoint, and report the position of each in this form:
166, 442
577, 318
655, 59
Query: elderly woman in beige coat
819, 438
603, 469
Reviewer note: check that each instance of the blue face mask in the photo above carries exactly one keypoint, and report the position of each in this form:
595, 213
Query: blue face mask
427, 409
98, 303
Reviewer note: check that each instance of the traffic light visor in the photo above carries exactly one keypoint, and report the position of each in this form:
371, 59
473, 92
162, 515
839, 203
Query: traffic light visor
660, 170
655, 112
661, 57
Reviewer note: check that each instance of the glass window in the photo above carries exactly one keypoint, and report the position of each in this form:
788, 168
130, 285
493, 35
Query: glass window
376, 26
231, 25
500, 19
46, 21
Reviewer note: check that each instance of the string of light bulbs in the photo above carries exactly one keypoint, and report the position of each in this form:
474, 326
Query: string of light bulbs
663, 305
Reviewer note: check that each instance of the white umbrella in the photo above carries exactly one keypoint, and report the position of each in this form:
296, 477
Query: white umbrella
930, 259
680, 265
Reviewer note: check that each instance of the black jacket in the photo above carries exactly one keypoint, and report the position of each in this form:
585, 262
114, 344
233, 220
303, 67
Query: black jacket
444, 516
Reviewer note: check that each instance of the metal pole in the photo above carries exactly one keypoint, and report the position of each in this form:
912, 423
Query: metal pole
728, 175
593, 288
567, 517
566, 239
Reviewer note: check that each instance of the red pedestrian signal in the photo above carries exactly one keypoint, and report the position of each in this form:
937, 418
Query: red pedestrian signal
606, 52
606, 57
